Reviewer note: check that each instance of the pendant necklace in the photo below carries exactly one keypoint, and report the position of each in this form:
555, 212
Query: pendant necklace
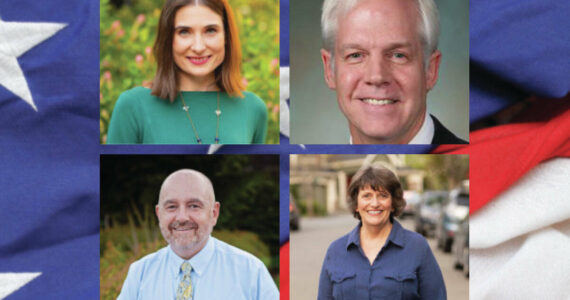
218, 112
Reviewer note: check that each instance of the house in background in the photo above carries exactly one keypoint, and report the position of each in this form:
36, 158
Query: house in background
319, 182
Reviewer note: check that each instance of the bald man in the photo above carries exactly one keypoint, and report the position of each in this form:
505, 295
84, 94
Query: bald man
195, 265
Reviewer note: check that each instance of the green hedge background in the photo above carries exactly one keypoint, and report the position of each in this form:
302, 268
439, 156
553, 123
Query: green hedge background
128, 33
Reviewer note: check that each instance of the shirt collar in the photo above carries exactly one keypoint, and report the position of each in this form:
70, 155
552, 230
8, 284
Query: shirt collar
199, 262
425, 135
354, 236
174, 261
396, 235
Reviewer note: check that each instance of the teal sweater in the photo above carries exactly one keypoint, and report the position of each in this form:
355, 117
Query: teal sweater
141, 118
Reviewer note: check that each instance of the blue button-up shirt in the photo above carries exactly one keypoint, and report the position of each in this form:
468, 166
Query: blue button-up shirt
219, 271
405, 268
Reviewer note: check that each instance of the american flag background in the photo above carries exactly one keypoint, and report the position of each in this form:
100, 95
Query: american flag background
519, 148
49, 149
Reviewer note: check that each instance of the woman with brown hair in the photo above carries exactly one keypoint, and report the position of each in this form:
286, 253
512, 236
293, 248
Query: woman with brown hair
379, 259
197, 95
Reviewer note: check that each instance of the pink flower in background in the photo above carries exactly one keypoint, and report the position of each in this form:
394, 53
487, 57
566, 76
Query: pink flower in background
107, 80
121, 33
147, 84
139, 60
140, 19
148, 50
275, 108
115, 25
274, 63
244, 81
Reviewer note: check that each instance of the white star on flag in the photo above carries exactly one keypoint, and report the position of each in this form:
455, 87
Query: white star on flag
213, 148
11, 282
16, 38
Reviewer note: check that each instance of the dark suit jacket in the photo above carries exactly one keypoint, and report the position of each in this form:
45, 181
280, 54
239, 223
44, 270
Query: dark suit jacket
442, 135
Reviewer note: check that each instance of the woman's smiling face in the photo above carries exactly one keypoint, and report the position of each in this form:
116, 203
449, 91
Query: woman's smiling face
198, 44
374, 206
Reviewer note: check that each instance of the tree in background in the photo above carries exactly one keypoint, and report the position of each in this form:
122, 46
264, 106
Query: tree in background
444, 172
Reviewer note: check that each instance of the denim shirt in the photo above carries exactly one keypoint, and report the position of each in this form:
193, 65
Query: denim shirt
405, 268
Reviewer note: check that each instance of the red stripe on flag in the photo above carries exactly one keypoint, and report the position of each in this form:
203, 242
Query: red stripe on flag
502, 154
284, 272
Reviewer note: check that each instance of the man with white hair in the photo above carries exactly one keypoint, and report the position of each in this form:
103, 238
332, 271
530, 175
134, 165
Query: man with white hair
381, 58
195, 265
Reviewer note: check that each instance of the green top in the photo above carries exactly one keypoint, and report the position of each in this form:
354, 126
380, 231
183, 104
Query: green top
141, 118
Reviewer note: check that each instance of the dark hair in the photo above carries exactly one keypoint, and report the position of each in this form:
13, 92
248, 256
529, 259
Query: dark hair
228, 74
377, 178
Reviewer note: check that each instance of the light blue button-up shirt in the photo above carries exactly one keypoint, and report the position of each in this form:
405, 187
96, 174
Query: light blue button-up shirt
219, 271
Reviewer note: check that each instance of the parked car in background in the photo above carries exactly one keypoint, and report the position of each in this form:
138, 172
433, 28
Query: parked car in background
294, 214
454, 212
412, 200
428, 211
461, 247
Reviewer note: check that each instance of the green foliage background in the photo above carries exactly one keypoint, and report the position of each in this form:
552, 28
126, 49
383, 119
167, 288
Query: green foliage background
247, 186
444, 172
128, 33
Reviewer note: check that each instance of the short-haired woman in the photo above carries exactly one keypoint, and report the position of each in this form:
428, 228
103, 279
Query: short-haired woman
379, 259
197, 95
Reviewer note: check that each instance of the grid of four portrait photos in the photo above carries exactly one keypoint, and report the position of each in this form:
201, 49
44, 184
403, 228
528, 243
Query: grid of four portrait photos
229, 171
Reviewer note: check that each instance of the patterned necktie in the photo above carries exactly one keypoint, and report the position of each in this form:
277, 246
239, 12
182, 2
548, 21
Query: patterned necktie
184, 291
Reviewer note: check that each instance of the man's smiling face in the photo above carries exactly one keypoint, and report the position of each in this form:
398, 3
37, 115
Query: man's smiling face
379, 73
186, 211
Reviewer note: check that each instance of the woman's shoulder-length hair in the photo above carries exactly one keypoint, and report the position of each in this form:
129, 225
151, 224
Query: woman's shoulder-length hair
228, 74
378, 178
